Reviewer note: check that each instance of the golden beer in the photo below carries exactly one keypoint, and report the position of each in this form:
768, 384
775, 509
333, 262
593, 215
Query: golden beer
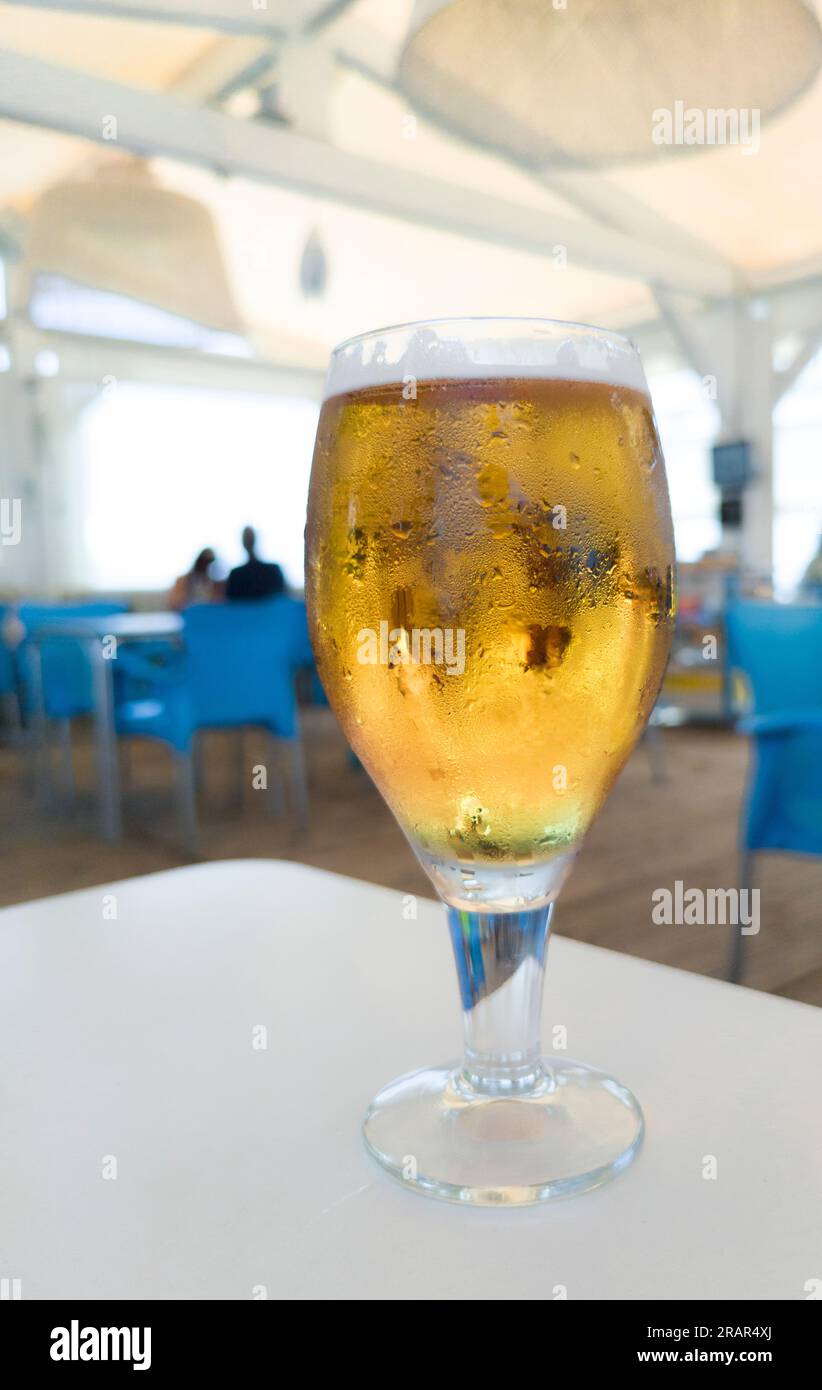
490, 590
530, 515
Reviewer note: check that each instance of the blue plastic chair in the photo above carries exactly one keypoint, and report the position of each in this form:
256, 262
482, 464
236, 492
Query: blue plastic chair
779, 649
64, 688
237, 669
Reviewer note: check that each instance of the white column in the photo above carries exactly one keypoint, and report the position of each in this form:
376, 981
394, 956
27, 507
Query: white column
21, 559
751, 418
731, 346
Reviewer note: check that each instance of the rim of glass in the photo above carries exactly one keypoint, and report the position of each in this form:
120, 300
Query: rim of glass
484, 318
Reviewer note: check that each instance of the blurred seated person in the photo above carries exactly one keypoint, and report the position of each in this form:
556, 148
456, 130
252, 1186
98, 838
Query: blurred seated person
256, 578
197, 586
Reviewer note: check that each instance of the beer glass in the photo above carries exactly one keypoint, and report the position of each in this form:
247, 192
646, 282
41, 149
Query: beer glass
489, 576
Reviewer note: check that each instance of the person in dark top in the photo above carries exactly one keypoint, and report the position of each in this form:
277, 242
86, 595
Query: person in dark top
256, 578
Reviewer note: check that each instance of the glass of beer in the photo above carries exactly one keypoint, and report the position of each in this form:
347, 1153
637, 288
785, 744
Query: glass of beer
490, 584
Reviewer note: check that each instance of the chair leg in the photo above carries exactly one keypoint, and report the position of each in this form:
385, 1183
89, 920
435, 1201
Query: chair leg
187, 802
39, 733
736, 958
12, 722
238, 798
41, 760
275, 795
126, 764
66, 761
655, 744
198, 755
299, 784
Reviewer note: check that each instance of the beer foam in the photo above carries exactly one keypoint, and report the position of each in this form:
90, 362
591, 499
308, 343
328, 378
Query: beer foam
470, 349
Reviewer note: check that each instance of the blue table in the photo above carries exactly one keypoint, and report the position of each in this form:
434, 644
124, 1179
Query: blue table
101, 637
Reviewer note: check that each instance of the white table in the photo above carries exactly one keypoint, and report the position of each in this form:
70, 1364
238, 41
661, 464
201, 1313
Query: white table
239, 1168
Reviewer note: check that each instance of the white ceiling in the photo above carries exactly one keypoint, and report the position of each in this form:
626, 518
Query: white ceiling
762, 213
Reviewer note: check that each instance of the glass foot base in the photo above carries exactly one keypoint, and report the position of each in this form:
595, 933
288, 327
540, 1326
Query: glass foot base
575, 1130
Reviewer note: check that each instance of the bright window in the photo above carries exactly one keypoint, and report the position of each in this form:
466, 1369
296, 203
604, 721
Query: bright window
168, 471
66, 307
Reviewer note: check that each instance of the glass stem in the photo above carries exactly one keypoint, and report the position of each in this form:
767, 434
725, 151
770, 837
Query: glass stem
500, 960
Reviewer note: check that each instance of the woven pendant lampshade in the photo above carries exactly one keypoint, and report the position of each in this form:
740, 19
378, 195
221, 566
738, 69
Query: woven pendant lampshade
578, 83
122, 232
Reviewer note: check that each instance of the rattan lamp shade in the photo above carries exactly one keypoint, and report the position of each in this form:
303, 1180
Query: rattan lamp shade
121, 232
578, 85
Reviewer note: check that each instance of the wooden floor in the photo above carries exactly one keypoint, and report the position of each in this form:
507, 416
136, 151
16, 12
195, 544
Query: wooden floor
650, 834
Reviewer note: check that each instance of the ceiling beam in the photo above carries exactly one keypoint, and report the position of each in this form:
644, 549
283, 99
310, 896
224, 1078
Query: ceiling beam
264, 20
684, 328
153, 124
9, 246
366, 51
222, 66
595, 194
80, 356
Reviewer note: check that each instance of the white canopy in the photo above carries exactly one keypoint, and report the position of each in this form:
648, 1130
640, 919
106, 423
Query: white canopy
412, 222
310, 201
